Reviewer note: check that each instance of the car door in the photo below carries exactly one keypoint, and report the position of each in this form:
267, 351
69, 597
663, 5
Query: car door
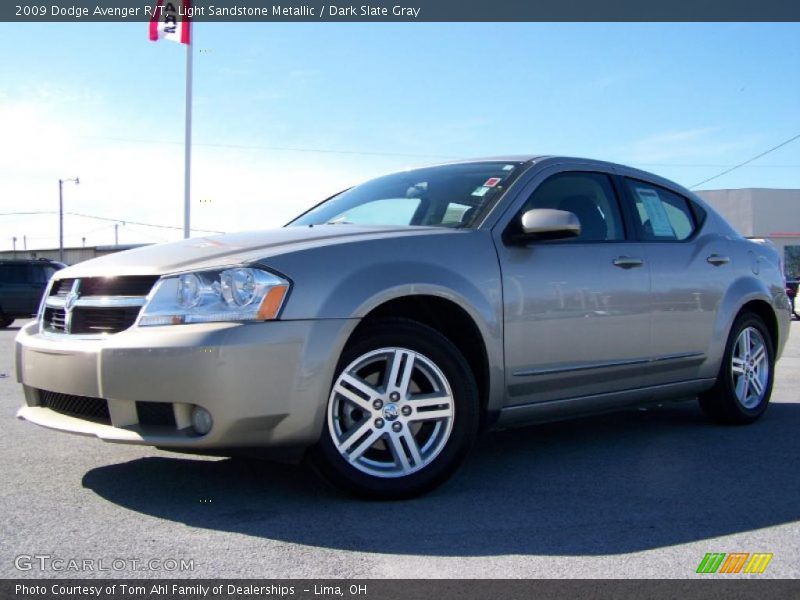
576, 310
690, 270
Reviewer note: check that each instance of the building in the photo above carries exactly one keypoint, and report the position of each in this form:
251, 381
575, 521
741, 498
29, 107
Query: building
763, 213
71, 255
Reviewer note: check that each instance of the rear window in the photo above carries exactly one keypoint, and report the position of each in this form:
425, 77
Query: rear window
662, 214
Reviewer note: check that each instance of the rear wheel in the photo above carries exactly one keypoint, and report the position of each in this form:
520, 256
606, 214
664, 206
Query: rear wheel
744, 384
402, 412
5, 321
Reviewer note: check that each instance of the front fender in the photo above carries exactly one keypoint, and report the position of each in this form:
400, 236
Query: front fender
348, 281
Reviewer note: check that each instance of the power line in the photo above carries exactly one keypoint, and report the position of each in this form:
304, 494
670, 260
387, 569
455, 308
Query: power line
276, 148
781, 145
124, 221
74, 214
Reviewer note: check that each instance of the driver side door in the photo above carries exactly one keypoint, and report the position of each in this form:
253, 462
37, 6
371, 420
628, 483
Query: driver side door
577, 320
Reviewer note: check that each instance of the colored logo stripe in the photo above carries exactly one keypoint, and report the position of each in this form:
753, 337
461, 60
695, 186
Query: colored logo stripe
717, 561
711, 562
734, 562
758, 563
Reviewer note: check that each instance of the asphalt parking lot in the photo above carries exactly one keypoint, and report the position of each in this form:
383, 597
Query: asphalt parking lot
637, 494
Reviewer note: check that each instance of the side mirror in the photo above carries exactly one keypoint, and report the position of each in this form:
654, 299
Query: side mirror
549, 224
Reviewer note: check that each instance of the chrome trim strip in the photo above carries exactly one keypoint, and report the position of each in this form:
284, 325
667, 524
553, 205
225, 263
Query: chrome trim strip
605, 365
98, 301
677, 356
46, 333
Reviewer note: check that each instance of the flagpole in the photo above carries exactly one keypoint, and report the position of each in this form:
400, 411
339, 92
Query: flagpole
187, 165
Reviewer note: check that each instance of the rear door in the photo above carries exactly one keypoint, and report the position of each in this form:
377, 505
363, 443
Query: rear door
577, 321
690, 270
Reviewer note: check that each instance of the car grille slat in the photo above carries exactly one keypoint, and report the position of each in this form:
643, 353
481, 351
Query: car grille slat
134, 285
110, 320
82, 407
117, 286
55, 319
61, 287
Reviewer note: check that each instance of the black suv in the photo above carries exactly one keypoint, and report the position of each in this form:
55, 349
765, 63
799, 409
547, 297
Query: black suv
22, 284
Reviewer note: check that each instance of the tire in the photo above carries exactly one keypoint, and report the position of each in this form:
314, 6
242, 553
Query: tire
742, 391
5, 321
402, 413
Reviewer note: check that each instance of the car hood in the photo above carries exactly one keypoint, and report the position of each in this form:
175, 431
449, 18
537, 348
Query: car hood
234, 249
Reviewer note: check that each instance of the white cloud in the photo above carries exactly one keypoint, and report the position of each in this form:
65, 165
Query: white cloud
232, 189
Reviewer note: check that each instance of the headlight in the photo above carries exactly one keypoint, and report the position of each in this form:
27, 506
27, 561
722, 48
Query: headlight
238, 294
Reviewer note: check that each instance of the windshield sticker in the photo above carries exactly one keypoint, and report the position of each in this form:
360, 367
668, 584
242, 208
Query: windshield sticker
508, 168
659, 220
492, 181
480, 191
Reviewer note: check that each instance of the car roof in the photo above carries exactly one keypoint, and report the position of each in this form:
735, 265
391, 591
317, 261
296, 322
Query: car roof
24, 261
626, 170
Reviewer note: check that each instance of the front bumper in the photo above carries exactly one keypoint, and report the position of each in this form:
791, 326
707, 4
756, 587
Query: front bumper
265, 384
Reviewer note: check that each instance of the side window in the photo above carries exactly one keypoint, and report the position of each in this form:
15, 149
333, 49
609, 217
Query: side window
13, 273
38, 274
589, 196
662, 215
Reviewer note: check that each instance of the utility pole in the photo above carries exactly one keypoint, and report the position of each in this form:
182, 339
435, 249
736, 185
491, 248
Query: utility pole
116, 234
83, 239
24, 242
14, 241
76, 181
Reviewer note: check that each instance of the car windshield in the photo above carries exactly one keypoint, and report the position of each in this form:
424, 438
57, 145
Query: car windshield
445, 196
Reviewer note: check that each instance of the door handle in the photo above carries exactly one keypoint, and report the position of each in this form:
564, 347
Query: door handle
626, 262
717, 260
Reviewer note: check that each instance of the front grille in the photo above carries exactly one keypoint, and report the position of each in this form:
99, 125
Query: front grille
156, 413
103, 305
82, 407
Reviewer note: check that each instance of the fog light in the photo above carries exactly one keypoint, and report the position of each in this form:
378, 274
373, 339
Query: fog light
201, 420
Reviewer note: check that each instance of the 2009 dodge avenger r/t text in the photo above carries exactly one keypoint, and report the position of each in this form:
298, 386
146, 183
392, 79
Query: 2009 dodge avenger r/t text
380, 331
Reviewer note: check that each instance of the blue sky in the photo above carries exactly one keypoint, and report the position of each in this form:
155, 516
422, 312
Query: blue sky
285, 114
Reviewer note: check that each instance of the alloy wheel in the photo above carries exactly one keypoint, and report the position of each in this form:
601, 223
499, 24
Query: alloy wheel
391, 412
750, 367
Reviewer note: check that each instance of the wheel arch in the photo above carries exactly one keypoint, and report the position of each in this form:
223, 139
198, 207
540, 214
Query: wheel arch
764, 311
454, 322
753, 295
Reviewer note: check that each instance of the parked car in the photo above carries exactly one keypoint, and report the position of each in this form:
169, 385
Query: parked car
22, 283
791, 292
379, 332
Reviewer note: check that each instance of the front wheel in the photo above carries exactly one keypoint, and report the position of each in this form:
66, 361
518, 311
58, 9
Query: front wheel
402, 412
744, 384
